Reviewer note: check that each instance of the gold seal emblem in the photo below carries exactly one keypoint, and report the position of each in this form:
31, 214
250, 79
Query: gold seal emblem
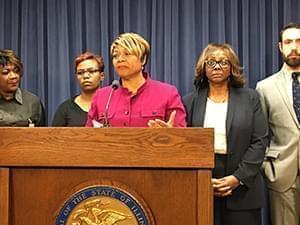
104, 205
101, 211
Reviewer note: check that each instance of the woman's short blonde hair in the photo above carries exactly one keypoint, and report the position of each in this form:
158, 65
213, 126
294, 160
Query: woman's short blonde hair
236, 78
134, 44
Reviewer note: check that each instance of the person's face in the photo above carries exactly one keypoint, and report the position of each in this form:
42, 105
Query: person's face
217, 67
290, 47
126, 64
89, 75
9, 78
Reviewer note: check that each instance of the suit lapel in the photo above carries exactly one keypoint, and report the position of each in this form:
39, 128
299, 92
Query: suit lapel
199, 108
281, 85
233, 99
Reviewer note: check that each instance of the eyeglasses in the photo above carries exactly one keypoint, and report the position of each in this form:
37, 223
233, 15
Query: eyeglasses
213, 63
90, 72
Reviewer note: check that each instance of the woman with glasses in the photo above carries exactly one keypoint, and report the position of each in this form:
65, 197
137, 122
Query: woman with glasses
89, 74
221, 102
139, 101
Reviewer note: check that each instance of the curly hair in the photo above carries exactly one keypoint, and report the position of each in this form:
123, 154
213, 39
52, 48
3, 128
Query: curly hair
236, 78
8, 56
88, 55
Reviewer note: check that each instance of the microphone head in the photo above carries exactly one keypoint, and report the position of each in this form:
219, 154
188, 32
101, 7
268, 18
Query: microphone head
115, 84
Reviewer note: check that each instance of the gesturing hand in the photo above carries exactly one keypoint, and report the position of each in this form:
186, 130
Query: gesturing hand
157, 123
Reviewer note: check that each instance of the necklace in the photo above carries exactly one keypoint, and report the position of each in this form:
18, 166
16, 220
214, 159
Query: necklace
219, 99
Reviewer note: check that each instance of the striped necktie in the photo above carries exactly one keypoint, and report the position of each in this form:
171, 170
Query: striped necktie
296, 94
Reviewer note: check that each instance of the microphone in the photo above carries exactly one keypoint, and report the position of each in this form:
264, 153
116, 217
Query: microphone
114, 86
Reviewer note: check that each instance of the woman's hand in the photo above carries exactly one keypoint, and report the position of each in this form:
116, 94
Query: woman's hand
225, 185
157, 123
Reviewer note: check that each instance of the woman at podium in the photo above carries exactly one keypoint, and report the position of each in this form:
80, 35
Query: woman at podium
136, 100
221, 101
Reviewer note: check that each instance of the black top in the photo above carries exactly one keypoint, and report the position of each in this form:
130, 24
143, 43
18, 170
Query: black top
69, 114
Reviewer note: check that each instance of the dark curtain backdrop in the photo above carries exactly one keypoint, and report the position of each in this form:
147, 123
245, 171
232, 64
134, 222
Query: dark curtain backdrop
49, 34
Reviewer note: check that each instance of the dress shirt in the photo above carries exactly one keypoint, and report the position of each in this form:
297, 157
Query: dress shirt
153, 100
215, 117
25, 109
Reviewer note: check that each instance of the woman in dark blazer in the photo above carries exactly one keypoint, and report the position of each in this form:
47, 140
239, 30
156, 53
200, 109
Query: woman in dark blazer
220, 101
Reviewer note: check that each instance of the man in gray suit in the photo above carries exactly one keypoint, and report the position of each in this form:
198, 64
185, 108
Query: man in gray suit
281, 164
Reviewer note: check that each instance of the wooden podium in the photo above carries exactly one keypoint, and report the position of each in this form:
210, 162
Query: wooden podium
169, 168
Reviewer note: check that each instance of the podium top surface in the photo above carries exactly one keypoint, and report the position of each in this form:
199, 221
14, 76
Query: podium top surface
109, 147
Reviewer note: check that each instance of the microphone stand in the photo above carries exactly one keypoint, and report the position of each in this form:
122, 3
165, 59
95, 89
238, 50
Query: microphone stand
115, 84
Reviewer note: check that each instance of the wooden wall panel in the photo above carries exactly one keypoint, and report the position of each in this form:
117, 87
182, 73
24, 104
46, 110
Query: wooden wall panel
4, 196
39, 194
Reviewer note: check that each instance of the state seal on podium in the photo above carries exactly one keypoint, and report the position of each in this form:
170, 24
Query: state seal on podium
104, 205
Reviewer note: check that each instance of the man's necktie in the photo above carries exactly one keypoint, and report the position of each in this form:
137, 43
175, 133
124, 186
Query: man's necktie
296, 94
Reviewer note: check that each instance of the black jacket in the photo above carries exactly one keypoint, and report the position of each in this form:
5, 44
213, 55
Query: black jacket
246, 133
